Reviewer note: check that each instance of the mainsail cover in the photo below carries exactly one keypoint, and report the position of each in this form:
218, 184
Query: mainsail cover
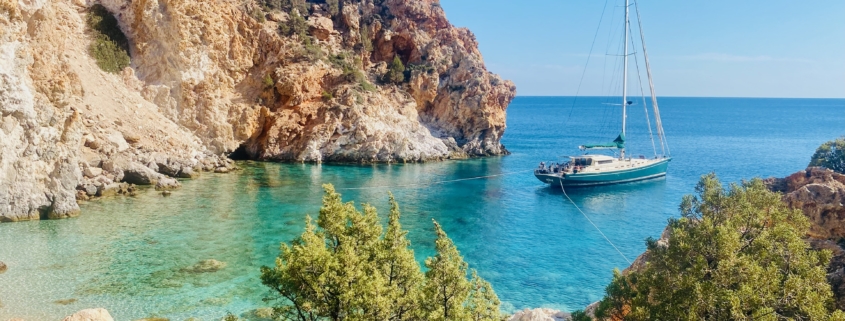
619, 143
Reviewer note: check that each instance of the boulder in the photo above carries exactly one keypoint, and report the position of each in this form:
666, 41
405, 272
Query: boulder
167, 183
90, 315
320, 27
169, 168
91, 171
108, 189
88, 188
140, 175
187, 172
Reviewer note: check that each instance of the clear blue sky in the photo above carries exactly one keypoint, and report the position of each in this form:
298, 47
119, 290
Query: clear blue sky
712, 48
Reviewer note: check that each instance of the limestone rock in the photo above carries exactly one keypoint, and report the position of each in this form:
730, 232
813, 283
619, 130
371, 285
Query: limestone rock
167, 183
90, 315
321, 27
206, 80
540, 315
140, 175
820, 194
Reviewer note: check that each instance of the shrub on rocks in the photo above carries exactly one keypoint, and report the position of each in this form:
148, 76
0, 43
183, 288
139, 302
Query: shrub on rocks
735, 254
110, 47
830, 155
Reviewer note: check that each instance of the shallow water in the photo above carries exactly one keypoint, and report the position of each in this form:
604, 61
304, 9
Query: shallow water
128, 254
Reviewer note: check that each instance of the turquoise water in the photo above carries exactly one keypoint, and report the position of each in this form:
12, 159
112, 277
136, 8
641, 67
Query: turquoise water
127, 254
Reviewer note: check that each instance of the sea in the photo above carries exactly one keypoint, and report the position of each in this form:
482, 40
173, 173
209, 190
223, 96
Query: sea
130, 254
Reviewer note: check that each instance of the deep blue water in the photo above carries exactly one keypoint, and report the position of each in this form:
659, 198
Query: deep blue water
125, 254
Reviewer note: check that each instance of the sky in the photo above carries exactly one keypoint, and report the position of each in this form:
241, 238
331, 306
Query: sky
713, 48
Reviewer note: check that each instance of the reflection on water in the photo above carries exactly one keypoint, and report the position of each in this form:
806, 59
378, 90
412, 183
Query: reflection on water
130, 254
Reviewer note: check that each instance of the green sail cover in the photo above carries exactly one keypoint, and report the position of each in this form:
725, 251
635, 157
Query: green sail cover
619, 142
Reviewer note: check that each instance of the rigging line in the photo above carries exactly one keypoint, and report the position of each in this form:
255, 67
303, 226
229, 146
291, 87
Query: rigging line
594, 224
642, 94
658, 122
436, 182
584, 72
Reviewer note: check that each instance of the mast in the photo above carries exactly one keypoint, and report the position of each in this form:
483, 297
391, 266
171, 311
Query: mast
625, 78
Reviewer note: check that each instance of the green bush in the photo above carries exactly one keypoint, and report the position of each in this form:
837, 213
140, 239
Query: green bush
268, 81
327, 96
349, 267
831, 155
285, 5
110, 47
396, 72
735, 254
366, 85
366, 42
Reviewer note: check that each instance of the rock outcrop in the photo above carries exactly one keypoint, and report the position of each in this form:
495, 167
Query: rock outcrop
210, 79
90, 315
820, 193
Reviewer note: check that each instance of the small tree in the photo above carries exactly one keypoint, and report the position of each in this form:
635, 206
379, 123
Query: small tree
483, 302
735, 254
446, 286
344, 268
395, 72
831, 155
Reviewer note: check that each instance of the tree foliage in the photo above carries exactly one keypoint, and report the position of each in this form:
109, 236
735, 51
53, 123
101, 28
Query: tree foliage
110, 47
286, 5
831, 155
735, 254
347, 267
395, 72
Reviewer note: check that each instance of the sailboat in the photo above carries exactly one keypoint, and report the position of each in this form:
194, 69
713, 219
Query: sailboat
596, 169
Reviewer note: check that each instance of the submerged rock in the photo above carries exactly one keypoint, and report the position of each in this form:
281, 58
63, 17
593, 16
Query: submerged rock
206, 266
65, 301
90, 315
3, 267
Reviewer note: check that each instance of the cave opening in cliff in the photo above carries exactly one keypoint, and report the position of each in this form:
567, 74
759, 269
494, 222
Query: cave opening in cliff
109, 46
240, 153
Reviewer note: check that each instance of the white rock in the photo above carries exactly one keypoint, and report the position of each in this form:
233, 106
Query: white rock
99, 314
540, 314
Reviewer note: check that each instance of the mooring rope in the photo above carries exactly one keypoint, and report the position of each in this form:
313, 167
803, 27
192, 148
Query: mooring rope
435, 183
594, 224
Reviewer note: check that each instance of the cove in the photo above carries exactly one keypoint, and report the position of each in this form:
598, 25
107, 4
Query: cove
131, 255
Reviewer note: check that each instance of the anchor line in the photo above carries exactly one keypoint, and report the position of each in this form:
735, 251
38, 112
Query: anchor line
435, 183
594, 225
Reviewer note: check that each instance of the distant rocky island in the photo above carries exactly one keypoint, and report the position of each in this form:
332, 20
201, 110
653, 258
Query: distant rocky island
97, 95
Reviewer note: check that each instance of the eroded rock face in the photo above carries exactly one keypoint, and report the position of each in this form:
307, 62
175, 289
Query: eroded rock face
207, 78
819, 193
39, 125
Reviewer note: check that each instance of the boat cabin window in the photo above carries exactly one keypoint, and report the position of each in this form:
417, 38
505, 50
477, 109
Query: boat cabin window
605, 161
583, 161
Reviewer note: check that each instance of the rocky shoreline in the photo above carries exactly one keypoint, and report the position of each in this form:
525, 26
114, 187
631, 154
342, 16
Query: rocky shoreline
205, 82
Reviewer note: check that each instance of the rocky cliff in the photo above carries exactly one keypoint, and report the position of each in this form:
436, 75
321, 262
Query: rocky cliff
820, 193
208, 78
